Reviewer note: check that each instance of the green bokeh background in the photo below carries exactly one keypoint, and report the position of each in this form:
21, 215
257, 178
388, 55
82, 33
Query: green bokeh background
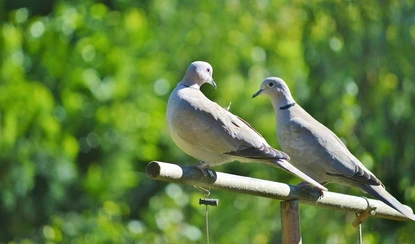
83, 93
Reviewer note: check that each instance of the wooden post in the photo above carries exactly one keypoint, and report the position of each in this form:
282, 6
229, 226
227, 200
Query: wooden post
290, 222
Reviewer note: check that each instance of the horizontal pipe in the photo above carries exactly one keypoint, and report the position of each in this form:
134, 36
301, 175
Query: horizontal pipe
222, 181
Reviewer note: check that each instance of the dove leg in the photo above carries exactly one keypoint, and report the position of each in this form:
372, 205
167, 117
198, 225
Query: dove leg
307, 186
204, 168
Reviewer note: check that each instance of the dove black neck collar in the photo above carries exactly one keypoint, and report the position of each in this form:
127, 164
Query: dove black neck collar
285, 107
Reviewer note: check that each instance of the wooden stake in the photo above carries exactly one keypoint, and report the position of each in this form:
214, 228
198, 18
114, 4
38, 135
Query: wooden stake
290, 222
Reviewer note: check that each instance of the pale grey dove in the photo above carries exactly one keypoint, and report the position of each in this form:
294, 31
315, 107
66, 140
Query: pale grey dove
210, 133
316, 150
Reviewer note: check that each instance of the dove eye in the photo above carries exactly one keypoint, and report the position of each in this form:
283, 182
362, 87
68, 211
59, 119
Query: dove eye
208, 70
270, 84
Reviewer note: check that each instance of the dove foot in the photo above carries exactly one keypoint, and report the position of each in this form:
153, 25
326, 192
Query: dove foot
305, 186
204, 168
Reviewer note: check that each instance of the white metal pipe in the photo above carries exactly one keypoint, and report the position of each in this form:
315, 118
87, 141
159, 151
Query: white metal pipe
264, 188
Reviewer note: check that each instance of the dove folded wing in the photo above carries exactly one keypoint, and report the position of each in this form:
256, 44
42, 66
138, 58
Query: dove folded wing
328, 154
218, 130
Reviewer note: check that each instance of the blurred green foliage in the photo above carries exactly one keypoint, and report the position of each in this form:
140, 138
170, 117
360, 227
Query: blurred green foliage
83, 93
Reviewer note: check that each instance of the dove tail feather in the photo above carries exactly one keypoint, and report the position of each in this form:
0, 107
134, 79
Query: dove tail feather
284, 164
380, 193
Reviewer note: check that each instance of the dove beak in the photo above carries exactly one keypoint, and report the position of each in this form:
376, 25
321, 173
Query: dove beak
257, 93
212, 82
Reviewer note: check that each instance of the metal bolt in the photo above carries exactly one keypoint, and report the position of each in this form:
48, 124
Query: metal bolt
208, 201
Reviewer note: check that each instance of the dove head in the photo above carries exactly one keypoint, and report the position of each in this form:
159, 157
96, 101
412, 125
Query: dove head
276, 89
197, 74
